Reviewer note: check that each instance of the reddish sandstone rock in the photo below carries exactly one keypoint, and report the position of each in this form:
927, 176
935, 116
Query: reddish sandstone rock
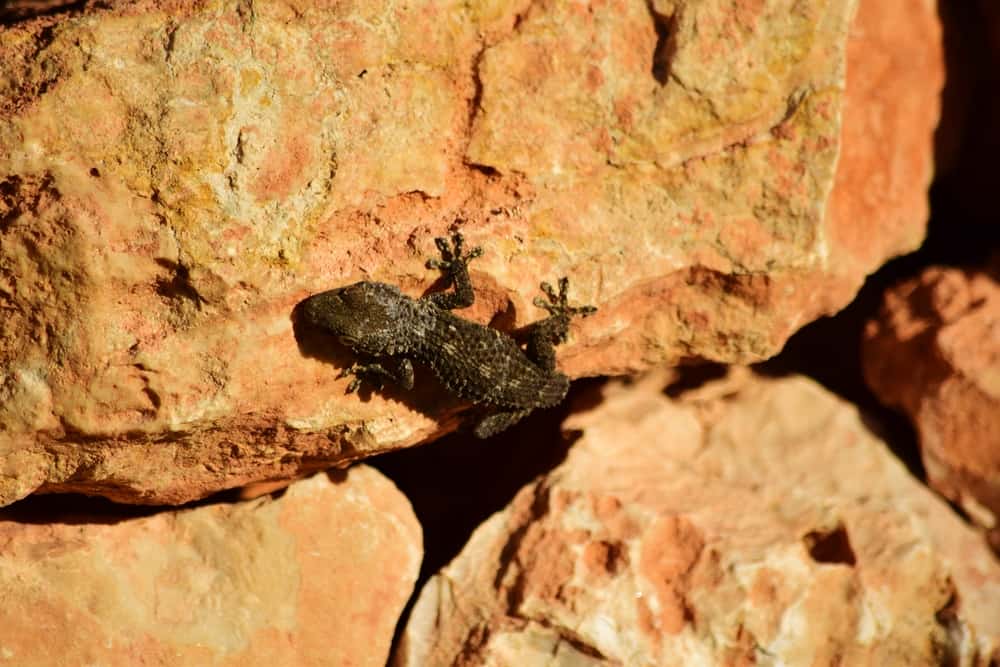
934, 352
884, 107
176, 176
751, 522
315, 577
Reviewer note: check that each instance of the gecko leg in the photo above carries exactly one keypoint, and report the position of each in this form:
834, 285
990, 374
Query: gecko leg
499, 421
546, 334
455, 263
376, 373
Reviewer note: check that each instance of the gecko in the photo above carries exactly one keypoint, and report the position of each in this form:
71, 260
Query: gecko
388, 330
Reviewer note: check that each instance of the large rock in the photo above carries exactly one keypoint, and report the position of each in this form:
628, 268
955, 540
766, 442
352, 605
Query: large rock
175, 177
315, 577
934, 352
752, 522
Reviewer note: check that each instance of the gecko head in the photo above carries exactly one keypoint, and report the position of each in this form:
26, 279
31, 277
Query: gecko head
364, 316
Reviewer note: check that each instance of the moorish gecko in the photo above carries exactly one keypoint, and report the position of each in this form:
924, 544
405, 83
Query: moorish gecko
480, 364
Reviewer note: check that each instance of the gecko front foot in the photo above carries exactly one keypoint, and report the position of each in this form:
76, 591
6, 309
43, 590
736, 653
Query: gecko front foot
376, 374
452, 256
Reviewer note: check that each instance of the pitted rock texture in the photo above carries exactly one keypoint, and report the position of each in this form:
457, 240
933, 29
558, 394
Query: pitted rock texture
176, 176
753, 521
315, 577
933, 351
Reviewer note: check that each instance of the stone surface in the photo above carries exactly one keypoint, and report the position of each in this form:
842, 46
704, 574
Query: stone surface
934, 352
886, 161
752, 521
175, 176
317, 576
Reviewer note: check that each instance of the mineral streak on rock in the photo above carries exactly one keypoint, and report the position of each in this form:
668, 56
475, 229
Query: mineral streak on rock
176, 176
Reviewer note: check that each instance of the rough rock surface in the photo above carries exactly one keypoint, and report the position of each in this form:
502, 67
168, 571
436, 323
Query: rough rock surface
175, 176
315, 577
753, 521
934, 352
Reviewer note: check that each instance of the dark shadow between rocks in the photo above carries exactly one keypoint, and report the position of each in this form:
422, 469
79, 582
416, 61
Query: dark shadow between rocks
14, 11
829, 350
692, 376
74, 509
459, 481
78, 509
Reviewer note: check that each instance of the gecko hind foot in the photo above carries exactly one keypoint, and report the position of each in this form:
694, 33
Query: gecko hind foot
557, 303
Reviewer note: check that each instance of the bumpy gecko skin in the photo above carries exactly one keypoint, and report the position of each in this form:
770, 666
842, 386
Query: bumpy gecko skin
483, 365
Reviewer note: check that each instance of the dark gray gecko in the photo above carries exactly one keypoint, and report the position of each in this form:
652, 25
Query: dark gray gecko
380, 323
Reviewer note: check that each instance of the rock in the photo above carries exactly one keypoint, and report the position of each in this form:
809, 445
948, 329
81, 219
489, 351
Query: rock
885, 105
176, 177
933, 351
317, 576
753, 521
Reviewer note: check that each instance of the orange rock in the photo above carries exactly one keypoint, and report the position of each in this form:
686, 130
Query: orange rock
315, 577
886, 105
176, 177
934, 352
767, 525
